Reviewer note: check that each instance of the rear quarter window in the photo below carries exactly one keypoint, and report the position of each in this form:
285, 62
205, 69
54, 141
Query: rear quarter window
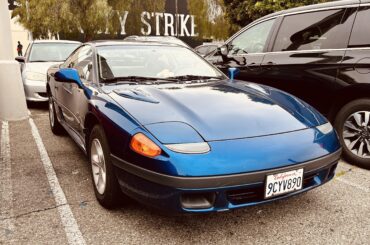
360, 36
312, 31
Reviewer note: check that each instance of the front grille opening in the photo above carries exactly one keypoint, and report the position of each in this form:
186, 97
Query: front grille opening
245, 195
198, 200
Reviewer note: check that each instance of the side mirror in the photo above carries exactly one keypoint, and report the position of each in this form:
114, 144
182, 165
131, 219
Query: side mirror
68, 75
224, 50
233, 72
20, 59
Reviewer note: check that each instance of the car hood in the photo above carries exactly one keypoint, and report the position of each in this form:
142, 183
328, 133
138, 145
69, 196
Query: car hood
216, 110
39, 67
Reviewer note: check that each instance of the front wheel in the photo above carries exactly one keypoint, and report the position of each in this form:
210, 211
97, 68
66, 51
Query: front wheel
105, 182
55, 125
353, 126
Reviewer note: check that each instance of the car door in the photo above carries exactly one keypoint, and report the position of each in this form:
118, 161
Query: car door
246, 51
308, 49
355, 68
72, 97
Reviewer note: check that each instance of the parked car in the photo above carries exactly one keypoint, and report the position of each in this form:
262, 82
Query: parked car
166, 39
40, 55
319, 53
206, 49
171, 131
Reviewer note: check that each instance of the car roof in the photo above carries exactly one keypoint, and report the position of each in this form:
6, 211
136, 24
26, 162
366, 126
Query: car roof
98, 43
170, 39
55, 41
315, 7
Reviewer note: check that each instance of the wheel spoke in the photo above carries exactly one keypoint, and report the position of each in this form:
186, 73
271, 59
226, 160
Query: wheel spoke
347, 134
95, 161
361, 149
99, 180
351, 126
353, 143
367, 145
367, 117
357, 117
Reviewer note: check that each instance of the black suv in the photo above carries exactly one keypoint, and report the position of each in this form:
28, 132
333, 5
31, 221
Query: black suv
321, 54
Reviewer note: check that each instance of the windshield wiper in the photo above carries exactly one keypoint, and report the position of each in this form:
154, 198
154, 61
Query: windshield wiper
134, 79
194, 77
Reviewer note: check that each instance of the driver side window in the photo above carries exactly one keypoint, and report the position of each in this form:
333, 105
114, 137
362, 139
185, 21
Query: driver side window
81, 60
253, 40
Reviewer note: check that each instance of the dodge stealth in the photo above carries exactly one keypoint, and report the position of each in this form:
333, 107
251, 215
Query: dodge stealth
161, 125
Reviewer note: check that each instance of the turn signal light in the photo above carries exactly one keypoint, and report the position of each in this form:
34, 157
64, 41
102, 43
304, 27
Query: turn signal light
144, 146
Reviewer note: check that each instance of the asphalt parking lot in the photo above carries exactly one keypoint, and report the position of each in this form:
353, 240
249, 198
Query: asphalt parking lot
47, 198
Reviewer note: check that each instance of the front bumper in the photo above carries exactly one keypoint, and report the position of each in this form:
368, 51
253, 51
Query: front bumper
35, 90
175, 194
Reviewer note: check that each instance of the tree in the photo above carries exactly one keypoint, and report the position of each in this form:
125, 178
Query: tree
210, 18
68, 17
242, 12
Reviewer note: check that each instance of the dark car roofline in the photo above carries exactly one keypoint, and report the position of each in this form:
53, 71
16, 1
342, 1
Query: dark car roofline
297, 10
314, 7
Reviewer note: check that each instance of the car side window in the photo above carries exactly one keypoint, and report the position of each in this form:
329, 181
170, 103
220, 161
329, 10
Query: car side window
252, 40
202, 50
360, 37
311, 31
82, 61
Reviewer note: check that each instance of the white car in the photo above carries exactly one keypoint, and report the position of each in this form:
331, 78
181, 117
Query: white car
40, 55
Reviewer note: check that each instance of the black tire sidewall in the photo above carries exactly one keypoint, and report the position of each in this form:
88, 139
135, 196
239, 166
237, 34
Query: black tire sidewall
57, 128
110, 197
343, 114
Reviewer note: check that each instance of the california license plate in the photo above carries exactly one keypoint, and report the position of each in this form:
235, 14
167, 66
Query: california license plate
282, 183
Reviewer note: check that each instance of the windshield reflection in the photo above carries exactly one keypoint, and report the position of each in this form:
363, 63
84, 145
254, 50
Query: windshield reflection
152, 62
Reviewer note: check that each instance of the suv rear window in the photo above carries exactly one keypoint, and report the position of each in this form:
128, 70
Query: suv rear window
360, 36
309, 31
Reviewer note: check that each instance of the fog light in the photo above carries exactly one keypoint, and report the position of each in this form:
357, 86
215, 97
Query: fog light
198, 200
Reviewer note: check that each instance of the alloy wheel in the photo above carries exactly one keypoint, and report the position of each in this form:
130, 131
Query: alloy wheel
356, 133
98, 166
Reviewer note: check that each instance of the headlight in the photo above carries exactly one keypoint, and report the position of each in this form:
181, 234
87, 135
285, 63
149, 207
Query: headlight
325, 128
190, 148
35, 76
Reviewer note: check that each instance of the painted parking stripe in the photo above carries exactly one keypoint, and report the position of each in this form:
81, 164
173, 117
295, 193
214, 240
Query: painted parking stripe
6, 193
69, 223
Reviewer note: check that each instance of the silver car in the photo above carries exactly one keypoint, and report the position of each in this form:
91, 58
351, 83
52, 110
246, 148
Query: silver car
40, 55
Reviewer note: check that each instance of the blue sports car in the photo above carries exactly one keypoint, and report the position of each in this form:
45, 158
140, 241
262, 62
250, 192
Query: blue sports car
169, 130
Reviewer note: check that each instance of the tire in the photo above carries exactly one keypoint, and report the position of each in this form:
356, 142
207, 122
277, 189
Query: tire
55, 125
99, 159
353, 126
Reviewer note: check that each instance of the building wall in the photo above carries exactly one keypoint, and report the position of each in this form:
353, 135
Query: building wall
19, 33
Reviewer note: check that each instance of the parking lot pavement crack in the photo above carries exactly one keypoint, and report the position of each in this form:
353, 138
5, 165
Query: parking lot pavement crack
32, 212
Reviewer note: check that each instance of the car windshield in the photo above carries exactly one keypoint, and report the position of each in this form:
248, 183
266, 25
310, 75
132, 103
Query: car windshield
120, 61
49, 52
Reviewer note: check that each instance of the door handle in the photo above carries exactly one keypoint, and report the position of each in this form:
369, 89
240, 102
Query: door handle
253, 66
269, 65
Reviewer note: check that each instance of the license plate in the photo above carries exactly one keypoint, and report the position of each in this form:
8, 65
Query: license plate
282, 183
